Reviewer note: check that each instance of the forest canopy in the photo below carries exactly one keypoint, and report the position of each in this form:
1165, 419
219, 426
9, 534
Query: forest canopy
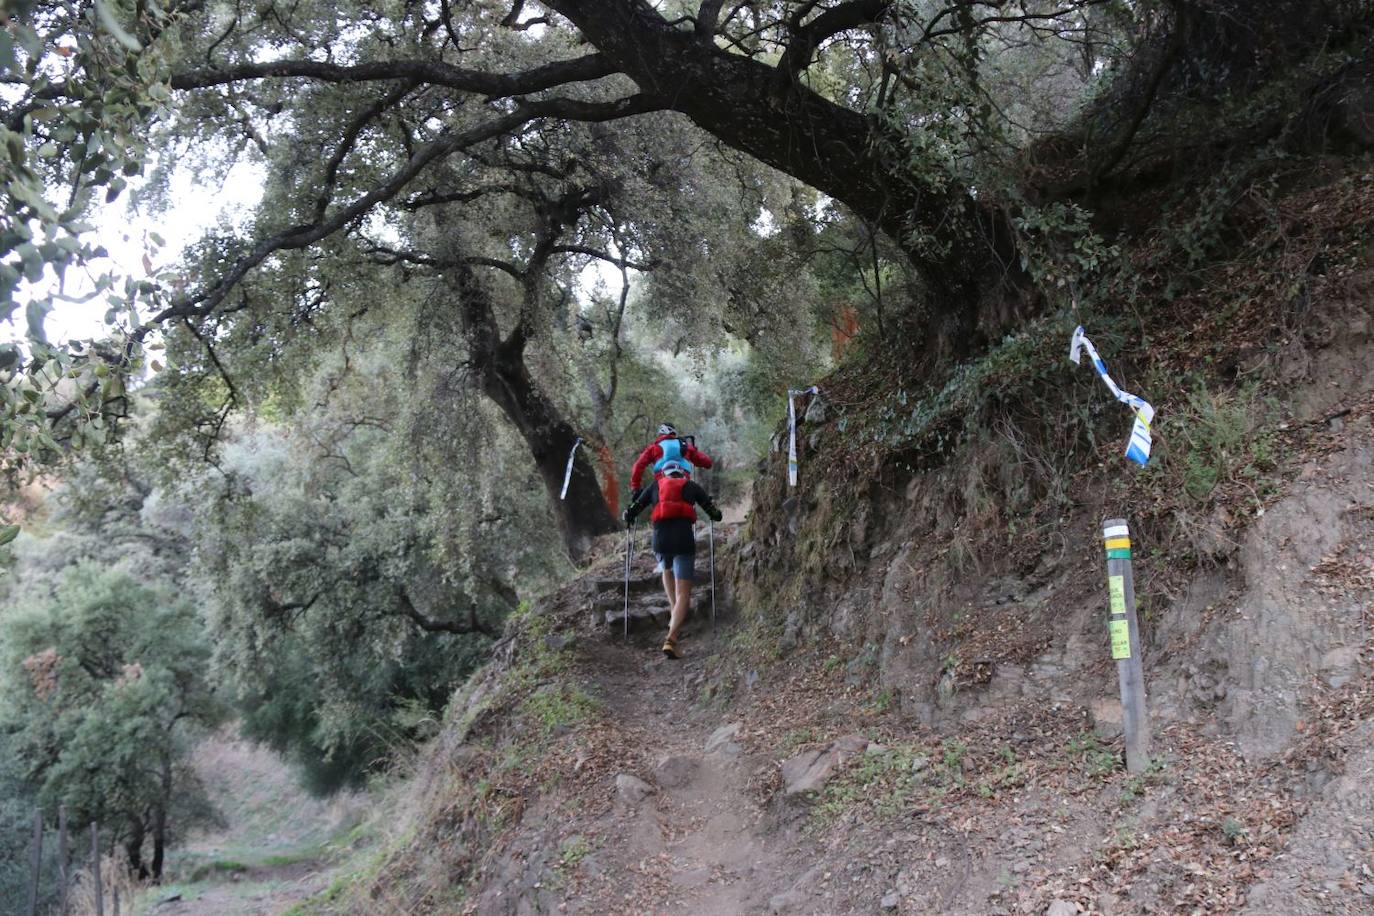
482, 154
323, 447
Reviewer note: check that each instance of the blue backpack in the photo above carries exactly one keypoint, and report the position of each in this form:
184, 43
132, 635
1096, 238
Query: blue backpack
672, 451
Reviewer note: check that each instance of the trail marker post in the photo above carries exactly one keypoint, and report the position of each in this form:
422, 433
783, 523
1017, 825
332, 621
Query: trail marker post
95, 870
35, 861
62, 876
1124, 630
629, 540
711, 536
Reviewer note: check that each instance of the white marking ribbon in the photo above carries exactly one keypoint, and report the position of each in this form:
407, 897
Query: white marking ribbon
567, 474
1138, 447
792, 431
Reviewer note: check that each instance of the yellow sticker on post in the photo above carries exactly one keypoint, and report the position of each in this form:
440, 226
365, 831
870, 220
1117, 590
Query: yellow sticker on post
1116, 590
1121, 639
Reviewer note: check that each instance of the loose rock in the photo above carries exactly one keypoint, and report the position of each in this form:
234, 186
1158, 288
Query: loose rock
722, 737
631, 789
809, 770
676, 771
1106, 714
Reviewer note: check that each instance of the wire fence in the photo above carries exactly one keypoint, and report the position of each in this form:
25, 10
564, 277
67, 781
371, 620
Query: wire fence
96, 887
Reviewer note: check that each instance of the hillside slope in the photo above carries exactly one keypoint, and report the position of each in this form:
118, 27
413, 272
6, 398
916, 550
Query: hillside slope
909, 705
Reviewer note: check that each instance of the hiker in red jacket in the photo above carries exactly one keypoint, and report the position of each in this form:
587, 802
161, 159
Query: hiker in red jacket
669, 446
675, 498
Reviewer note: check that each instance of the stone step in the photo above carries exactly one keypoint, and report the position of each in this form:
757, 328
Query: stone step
641, 617
611, 601
637, 584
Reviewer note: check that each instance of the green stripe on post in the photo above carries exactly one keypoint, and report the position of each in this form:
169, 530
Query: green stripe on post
1119, 553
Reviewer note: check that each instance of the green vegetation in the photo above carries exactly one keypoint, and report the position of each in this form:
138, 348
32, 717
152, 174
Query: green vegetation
311, 472
106, 695
1088, 752
1226, 438
882, 785
559, 707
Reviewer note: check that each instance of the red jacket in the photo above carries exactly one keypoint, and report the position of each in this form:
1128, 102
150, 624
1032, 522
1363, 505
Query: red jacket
654, 451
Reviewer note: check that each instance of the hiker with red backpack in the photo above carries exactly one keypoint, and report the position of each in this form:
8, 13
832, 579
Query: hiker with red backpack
674, 497
668, 446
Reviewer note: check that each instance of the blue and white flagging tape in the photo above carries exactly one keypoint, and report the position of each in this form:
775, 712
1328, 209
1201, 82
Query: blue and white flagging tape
567, 474
1138, 448
792, 431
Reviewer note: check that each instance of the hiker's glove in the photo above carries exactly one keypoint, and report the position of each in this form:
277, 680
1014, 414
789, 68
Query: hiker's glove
629, 518
715, 514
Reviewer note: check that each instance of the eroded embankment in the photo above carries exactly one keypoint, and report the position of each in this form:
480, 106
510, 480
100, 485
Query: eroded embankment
912, 709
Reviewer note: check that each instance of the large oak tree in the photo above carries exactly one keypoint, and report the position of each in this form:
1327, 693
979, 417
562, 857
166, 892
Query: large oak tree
366, 114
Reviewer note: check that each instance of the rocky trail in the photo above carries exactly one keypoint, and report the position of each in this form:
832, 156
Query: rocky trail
799, 788
685, 831
716, 812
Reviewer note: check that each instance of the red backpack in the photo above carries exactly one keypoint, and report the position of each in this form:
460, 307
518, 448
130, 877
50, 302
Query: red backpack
671, 503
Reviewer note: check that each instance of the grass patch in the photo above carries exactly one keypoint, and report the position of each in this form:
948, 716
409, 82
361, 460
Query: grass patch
1087, 752
559, 706
1219, 440
572, 852
883, 785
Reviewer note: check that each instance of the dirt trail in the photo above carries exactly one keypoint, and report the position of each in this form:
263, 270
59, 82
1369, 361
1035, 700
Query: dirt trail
699, 823
700, 842
256, 890
683, 826
270, 853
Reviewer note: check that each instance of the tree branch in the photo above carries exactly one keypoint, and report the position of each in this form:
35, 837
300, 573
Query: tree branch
807, 38
472, 625
602, 256
297, 237
432, 72
707, 16
350, 139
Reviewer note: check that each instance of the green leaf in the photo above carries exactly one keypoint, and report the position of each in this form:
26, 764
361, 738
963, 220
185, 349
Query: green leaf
28, 40
7, 61
37, 313
8, 533
112, 25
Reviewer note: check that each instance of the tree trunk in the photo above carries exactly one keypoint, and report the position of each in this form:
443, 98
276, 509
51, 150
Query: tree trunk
160, 821
500, 367
766, 112
133, 849
550, 438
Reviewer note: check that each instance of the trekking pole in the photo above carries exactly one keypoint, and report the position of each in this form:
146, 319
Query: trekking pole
711, 539
629, 535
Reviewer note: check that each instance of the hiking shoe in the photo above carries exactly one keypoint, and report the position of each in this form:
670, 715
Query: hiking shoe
670, 649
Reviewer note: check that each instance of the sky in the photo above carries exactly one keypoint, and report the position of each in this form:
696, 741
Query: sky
123, 230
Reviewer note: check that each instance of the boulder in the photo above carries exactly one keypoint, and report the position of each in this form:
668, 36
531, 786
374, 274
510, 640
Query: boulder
806, 772
809, 770
1106, 713
723, 739
631, 790
676, 770
1340, 665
